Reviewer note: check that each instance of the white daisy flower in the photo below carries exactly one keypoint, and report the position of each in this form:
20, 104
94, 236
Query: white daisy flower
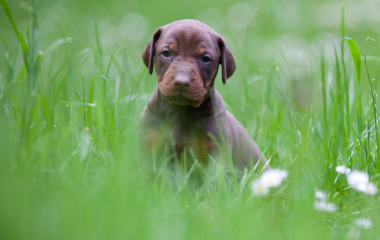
363, 223
367, 188
356, 179
324, 206
361, 187
273, 177
259, 189
360, 182
371, 189
320, 195
342, 169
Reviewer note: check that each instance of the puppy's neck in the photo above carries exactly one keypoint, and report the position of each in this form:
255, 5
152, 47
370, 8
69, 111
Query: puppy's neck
212, 105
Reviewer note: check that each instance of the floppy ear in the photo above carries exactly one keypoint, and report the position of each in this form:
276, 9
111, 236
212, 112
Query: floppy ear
149, 52
226, 60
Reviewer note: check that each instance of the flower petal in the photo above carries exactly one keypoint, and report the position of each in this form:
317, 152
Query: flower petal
259, 189
273, 177
356, 178
342, 169
324, 206
320, 195
363, 222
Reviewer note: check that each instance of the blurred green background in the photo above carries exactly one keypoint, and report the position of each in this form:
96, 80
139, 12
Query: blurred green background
294, 27
69, 161
282, 34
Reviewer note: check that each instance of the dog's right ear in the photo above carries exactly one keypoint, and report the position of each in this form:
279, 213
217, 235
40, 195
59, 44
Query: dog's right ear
149, 52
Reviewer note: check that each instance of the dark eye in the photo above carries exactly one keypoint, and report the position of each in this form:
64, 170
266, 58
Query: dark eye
166, 54
205, 59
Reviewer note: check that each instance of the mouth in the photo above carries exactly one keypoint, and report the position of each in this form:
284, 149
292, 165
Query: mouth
192, 96
178, 99
181, 99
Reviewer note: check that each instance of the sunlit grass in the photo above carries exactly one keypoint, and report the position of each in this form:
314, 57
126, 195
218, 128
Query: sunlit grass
71, 167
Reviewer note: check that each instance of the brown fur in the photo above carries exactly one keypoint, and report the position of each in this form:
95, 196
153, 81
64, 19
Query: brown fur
184, 108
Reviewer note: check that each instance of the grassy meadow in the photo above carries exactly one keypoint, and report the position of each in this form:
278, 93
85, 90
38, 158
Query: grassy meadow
73, 84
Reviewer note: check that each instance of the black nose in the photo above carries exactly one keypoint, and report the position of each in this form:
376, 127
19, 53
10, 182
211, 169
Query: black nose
182, 81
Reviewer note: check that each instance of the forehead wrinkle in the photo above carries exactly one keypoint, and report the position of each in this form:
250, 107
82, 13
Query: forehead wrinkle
189, 40
196, 41
190, 33
166, 41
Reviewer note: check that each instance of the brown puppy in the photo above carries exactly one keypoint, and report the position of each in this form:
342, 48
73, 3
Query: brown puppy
185, 110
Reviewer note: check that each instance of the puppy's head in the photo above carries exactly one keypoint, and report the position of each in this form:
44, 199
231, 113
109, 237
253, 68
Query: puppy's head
187, 55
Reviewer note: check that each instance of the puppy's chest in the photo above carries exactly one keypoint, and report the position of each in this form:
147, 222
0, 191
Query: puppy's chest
191, 137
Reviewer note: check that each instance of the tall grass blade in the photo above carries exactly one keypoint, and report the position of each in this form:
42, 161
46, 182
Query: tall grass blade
19, 35
355, 53
286, 103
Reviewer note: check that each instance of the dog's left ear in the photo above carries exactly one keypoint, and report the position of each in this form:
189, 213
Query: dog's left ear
226, 60
150, 49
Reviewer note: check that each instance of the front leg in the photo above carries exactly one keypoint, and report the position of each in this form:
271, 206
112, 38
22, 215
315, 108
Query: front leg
150, 132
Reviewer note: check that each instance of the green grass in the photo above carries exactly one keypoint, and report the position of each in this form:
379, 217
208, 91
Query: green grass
70, 166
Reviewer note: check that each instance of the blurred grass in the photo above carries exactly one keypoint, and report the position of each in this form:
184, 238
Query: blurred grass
70, 166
